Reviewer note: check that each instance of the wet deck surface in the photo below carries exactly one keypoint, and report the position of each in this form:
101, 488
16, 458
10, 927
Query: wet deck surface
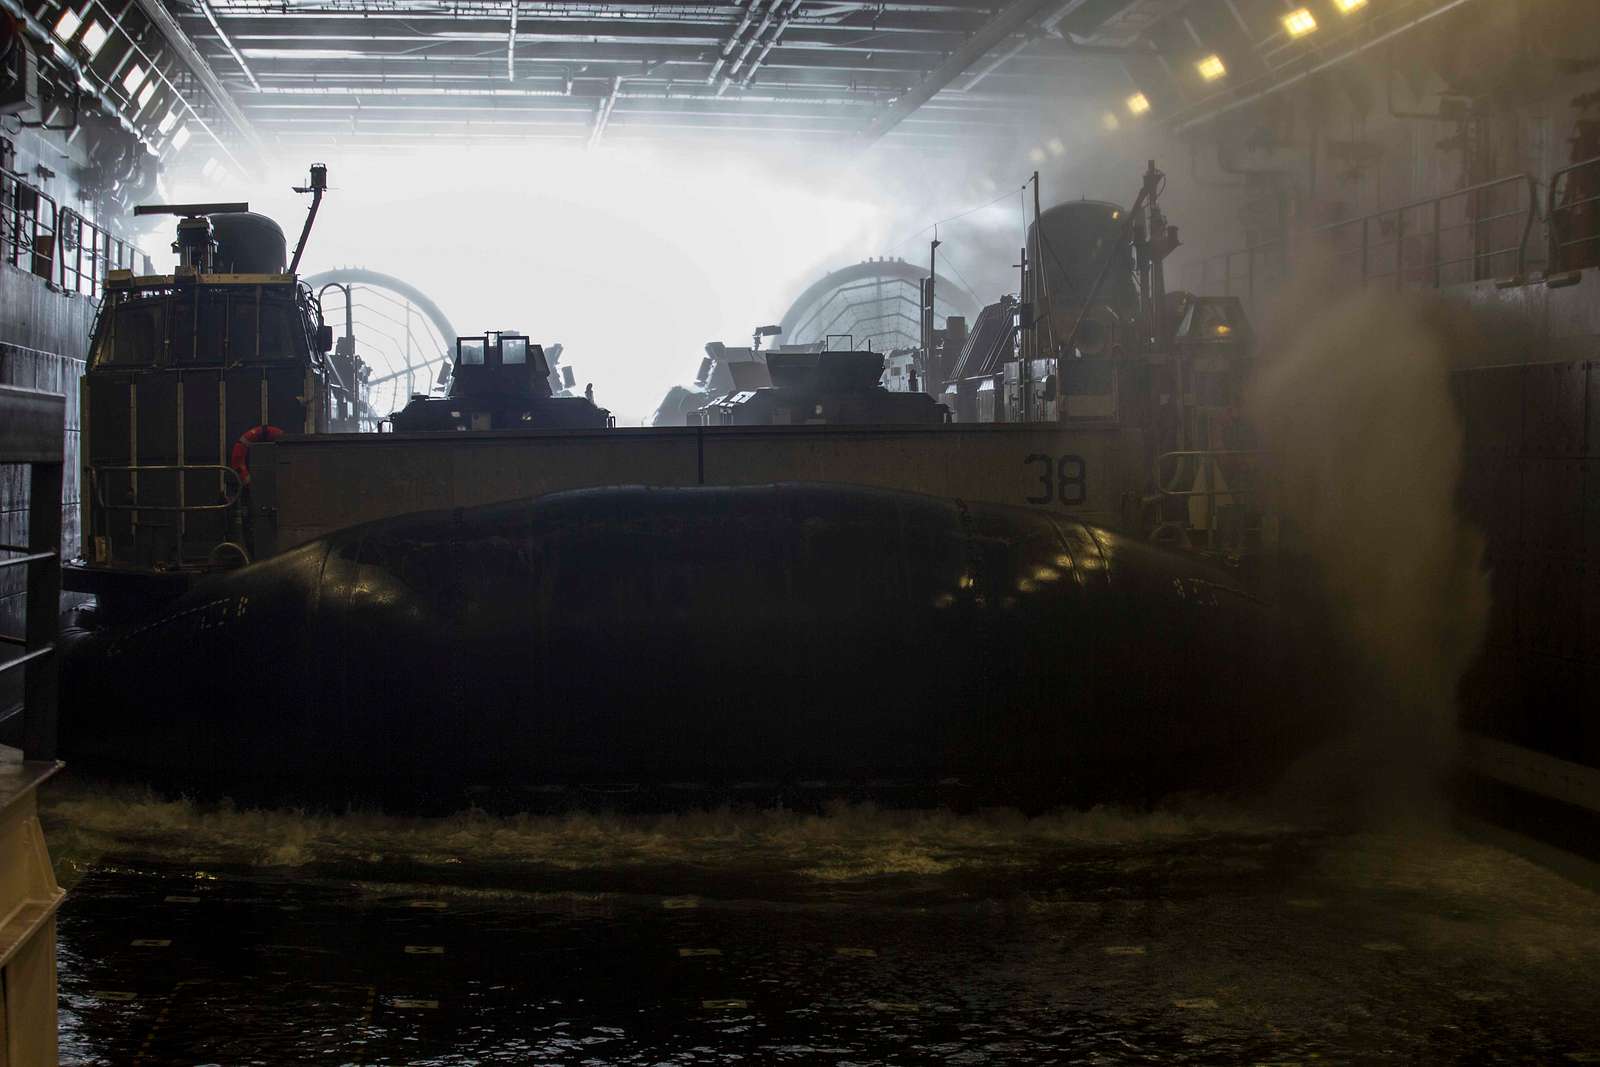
1202, 935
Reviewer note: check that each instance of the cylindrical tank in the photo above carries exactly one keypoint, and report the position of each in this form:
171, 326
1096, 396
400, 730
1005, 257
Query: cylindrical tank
783, 632
1079, 237
248, 243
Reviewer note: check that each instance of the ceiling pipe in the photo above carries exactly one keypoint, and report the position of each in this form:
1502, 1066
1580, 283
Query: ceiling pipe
403, 90
733, 41
511, 43
602, 115
749, 44
783, 24
211, 17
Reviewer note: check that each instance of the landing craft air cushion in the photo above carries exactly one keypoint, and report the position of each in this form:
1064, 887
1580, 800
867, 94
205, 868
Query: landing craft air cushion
727, 629
782, 633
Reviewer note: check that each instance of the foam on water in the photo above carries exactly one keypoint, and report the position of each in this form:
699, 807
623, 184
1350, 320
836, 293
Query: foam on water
847, 841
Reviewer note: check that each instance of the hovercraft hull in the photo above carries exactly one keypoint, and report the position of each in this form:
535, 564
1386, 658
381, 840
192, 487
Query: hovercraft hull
784, 633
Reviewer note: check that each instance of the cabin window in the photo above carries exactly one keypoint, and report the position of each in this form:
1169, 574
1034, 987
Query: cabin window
164, 329
242, 326
513, 350
470, 351
137, 333
202, 340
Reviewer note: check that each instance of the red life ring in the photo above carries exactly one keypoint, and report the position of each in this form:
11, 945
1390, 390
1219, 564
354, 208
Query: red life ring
238, 459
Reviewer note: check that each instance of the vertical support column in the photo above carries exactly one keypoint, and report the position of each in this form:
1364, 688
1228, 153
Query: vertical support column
44, 608
29, 898
32, 431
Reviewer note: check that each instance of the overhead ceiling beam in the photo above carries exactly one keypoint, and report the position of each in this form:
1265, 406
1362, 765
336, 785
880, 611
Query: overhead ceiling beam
318, 60
1000, 90
492, 47
211, 17
938, 33
706, 31
1006, 22
577, 133
179, 41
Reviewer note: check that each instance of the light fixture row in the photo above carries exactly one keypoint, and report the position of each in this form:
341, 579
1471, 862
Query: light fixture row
139, 84
1211, 67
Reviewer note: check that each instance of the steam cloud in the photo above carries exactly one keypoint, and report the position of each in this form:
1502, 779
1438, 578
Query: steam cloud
1354, 404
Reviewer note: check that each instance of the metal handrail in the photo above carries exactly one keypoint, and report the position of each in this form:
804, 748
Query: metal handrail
21, 228
1475, 223
1208, 456
1233, 514
1557, 214
1253, 254
230, 493
33, 557
105, 252
1434, 268
27, 657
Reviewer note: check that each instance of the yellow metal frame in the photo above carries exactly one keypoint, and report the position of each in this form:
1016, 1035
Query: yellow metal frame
29, 898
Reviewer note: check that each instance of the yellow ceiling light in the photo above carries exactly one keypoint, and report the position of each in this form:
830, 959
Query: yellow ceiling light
1347, 6
67, 24
134, 79
1138, 103
180, 138
1299, 22
1211, 67
94, 39
1109, 121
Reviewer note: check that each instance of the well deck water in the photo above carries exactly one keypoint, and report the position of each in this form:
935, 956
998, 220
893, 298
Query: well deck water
1200, 934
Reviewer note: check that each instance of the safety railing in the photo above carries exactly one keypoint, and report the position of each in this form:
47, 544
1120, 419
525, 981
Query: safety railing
1243, 272
31, 434
230, 487
1466, 235
1572, 216
27, 225
57, 243
1224, 493
88, 251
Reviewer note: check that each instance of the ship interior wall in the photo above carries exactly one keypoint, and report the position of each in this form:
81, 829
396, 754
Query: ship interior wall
44, 328
1357, 175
